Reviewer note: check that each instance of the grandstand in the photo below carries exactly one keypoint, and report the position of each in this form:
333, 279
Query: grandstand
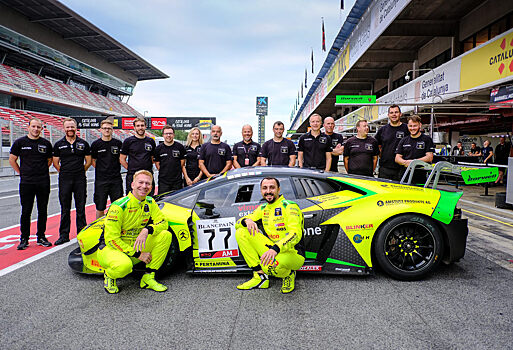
54, 63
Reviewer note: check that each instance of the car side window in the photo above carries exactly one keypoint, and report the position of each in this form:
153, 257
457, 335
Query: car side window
310, 187
219, 196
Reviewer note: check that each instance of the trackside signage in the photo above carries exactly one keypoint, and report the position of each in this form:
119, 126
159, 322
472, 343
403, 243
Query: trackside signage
478, 176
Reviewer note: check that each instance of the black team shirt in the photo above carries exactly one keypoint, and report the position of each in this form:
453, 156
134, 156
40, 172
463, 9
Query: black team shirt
215, 156
72, 155
314, 150
170, 162
247, 153
277, 153
388, 138
33, 156
139, 152
106, 154
191, 161
335, 140
361, 153
415, 148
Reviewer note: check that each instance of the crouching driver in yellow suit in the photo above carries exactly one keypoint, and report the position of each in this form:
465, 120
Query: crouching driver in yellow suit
278, 250
135, 230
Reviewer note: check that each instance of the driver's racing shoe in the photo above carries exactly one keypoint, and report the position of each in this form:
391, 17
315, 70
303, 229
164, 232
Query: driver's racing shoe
289, 283
148, 282
110, 284
259, 280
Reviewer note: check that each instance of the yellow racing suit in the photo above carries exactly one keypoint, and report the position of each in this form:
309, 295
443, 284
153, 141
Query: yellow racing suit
125, 219
282, 222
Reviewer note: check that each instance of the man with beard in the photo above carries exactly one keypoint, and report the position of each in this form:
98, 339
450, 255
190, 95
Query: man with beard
107, 179
278, 151
337, 142
388, 138
135, 230
71, 158
277, 251
314, 147
215, 156
169, 160
416, 146
361, 151
35, 155
140, 150
245, 153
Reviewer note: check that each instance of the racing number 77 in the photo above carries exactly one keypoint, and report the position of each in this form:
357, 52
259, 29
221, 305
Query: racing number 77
213, 235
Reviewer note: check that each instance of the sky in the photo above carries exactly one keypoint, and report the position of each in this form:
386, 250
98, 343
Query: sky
220, 54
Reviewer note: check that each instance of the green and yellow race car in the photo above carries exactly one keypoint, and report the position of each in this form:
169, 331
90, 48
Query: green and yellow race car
352, 223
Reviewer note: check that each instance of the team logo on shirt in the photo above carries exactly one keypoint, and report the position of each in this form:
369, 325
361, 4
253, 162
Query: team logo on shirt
334, 142
284, 149
277, 212
253, 148
421, 145
323, 139
114, 149
146, 208
399, 134
80, 146
369, 147
148, 147
41, 148
176, 153
221, 151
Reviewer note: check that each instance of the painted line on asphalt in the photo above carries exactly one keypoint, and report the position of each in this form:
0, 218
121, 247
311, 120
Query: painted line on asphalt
487, 217
36, 257
487, 207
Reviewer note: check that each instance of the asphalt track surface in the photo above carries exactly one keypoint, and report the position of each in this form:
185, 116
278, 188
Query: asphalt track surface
465, 305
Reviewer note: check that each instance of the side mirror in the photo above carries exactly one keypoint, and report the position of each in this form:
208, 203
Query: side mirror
208, 206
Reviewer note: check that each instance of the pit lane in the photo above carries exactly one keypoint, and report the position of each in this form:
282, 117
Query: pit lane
464, 305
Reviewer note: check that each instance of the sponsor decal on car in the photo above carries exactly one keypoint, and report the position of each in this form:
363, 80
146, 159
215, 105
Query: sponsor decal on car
211, 263
183, 235
312, 231
381, 203
360, 227
220, 254
359, 238
310, 268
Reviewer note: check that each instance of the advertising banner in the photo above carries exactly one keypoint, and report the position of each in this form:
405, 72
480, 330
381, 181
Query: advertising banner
488, 63
338, 70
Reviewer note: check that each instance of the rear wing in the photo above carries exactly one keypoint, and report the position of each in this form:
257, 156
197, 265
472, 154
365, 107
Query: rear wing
471, 174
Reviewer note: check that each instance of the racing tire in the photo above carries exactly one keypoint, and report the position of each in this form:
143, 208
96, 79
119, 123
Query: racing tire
171, 257
408, 247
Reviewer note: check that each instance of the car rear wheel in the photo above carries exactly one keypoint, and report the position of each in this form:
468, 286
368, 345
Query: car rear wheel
408, 247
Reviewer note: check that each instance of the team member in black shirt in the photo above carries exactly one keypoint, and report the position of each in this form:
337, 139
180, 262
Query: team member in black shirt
71, 158
502, 152
191, 172
475, 150
361, 151
458, 150
337, 142
487, 152
140, 150
278, 150
314, 147
415, 146
105, 156
388, 138
245, 153
35, 155
170, 160
215, 156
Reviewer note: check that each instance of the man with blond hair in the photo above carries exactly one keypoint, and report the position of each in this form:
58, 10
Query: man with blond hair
71, 158
135, 230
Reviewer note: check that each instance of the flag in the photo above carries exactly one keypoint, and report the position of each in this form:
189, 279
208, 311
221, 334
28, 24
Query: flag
323, 36
312, 63
306, 83
301, 90
341, 4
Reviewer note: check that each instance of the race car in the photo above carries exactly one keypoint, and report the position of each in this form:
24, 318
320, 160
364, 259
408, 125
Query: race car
351, 224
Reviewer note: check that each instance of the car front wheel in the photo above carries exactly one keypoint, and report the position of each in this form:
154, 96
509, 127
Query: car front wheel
408, 247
